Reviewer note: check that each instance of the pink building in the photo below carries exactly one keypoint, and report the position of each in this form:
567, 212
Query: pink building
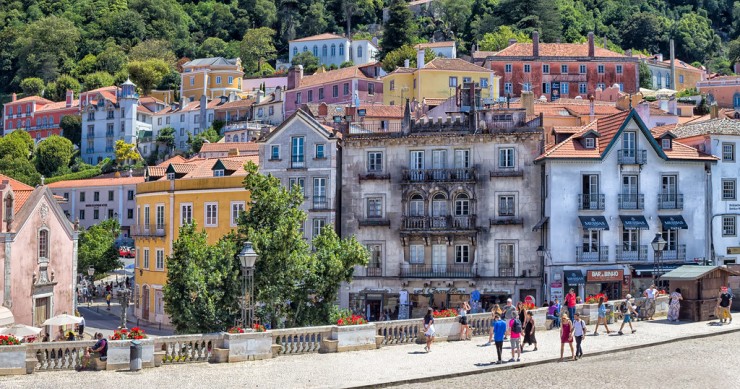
725, 91
38, 253
352, 85
38, 116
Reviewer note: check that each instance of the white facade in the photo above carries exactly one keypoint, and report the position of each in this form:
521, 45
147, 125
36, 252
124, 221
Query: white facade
333, 49
189, 119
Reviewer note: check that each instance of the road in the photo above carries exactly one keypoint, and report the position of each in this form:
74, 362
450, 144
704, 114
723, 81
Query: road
99, 319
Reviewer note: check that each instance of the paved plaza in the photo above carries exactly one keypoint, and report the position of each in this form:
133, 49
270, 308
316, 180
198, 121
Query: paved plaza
397, 363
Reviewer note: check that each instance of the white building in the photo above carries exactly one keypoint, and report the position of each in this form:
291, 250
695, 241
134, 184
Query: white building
720, 138
332, 49
440, 49
609, 189
189, 117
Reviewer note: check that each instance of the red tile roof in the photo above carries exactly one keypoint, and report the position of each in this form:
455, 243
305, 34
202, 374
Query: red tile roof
455, 64
58, 106
175, 159
383, 111
97, 182
322, 76
205, 168
318, 37
225, 147
555, 50
15, 184
37, 99
246, 103
21, 196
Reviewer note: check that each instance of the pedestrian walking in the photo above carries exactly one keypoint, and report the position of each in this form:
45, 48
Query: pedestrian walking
579, 333
107, 300
650, 294
498, 332
601, 317
570, 302
81, 326
725, 302
496, 309
529, 327
508, 314
464, 328
515, 327
429, 329
566, 336
628, 310
675, 305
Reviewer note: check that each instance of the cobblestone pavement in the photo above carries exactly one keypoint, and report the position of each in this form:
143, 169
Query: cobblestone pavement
391, 363
697, 363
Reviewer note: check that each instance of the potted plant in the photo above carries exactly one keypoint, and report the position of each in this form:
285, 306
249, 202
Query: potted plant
13, 355
446, 324
351, 332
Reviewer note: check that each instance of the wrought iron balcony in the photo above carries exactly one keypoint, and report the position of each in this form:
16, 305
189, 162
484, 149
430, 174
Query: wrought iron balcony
632, 253
632, 201
439, 175
439, 271
506, 272
632, 157
670, 201
375, 176
372, 270
674, 253
592, 253
506, 221
320, 202
373, 222
591, 202
421, 223
297, 162
157, 230
503, 172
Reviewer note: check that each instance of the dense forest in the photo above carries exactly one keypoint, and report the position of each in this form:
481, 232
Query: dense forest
47, 46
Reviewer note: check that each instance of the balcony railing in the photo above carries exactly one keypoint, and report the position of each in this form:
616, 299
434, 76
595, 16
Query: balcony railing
439, 271
148, 230
506, 221
670, 201
631, 201
507, 173
439, 175
320, 202
632, 157
420, 223
506, 272
372, 222
632, 253
592, 254
375, 176
591, 202
372, 270
297, 162
677, 253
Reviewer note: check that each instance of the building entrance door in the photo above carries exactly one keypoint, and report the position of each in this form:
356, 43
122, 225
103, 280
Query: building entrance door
145, 303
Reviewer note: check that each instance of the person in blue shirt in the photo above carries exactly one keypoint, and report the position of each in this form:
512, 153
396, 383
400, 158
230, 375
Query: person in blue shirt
497, 334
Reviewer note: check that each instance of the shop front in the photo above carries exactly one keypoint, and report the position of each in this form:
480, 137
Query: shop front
421, 299
644, 275
609, 282
574, 279
375, 305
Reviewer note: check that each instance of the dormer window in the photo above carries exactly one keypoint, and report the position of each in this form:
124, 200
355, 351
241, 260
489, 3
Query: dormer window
170, 176
666, 143
218, 173
589, 143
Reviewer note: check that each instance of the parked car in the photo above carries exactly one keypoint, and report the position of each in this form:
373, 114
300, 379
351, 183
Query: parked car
126, 252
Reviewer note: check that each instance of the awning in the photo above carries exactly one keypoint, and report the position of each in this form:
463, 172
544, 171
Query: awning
634, 222
540, 224
642, 270
6, 317
673, 222
574, 277
594, 223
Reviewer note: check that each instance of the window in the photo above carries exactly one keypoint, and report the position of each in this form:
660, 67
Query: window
545, 69
211, 214
564, 89
182, 118
416, 206
439, 258
237, 207
600, 69
371, 89
619, 69
310, 96
333, 50
218, 80
167, 121
192, 80
680, 78
527, 87
374, 208
297, 156
508, 88
666, 143
146, 259
462, 253
416, 252
462, 205
320, 151
231, 80
506, 259
96, 214
90, 116
582, 88
507, 68
160, 217
130, 195
546, 87
564, 69
96, 196
275, 152
376, 251
375, 161
218, 173
300, 181
582, 69
334, 91
170, 176
315, 51
130, 213
159, 261
506, 206
295, 51
271, 110
43, 246
728, 152
186, 214
484, 83
146, 216
462, 159
110, 195
601, 86
453, 82
298, 99
728, 226
110, 214
506, 158
527, 68
319, 193
466, 80
667, 80
341, 50
82, 214
346, 88
318, 224
728, 189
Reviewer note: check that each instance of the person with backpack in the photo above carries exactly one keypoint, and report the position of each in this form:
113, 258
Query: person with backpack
509, 312
515, 326
579, 333
628, 310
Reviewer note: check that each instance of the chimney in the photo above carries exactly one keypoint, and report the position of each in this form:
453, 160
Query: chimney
591, 49
405, 63
628, 52
420, 59
737, 70
233, 152
374, 40
512, 41
605, 42
713, 111
673, 65
260, 96
527, 98
278, 94
659, 57
13, 97
323, 109
295, 75
70, 98
591, 113
535, 44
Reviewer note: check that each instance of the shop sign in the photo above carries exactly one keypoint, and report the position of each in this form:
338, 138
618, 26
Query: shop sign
605, 275
556, 290
403, 297
440, 291
733, 250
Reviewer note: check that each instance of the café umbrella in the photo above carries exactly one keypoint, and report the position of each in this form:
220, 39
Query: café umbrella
20, 330
63, 320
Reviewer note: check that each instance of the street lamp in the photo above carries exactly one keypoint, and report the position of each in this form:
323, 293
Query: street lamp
658, 244
247, 258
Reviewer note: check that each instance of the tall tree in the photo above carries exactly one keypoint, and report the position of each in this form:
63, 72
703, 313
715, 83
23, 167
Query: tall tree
166, 138
646, 80
53, 154
695, 39
47, 47
399, 29
148, 74
97, 247
257, 48
499, 39
33, 86
396, 58
126, 152
72, 128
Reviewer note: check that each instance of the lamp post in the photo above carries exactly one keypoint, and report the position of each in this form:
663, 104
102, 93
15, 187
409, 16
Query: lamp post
658, 244
543, 253
247, 258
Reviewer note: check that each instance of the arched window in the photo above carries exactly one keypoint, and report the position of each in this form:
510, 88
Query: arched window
416, 205
341, 50
38, 121
295, 51
315, 51
667, 81
462, 205
10, 125
19, 124
324, 51
439, 205
333, 50
305, 49
28, 123
359, 51
43, 246
736, 100
51, 121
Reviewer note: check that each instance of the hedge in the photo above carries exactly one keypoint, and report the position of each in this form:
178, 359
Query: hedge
89, 173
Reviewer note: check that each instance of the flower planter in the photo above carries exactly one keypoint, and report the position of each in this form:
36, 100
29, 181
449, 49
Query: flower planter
589, 313
119, 354
13, 360
248, 346
350, 338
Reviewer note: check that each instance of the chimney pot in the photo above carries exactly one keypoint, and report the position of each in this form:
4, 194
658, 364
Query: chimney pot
14, 97
591, 49
535, 44
405, 63
512, 41
420, 59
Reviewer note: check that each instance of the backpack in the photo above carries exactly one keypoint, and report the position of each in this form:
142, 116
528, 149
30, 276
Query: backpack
623, 307
517, 327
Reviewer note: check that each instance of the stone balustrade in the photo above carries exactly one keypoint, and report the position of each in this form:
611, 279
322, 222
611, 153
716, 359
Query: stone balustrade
225, 347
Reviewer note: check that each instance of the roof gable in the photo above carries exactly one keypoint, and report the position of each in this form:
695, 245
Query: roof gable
632, 115
307, 119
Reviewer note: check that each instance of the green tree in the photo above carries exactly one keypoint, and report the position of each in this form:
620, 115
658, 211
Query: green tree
45, 48
733, 51
32, 86
316, 19
216, 47
24, 140
52, 154
645, 31
166, 138
153, 49
399, 29
57, 91
499, 39
85, 66
257, 48
126, 152
97, 247
646, 79
196, 142
695, 39
111, 60
203, 288
456, 16
309, 62
97, 80
396, 58
20, 169
71, 126
148, 74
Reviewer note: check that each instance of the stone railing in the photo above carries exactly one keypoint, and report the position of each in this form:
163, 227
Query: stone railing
300, 340
187, 348
55, 355
399, 331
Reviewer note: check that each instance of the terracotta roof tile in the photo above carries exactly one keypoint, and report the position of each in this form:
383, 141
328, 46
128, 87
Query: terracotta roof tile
183, 168
15, 184
21, 196
383, 111
455, 64
555, 50
175, 159
318, 37
157, 171
61, 105
236, 104
97, 182
205, 168
722, 126
322, 77
243, 147
37, 99
434, 44
482, 54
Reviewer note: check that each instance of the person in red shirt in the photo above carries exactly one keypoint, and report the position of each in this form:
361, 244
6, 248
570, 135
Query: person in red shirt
570, 302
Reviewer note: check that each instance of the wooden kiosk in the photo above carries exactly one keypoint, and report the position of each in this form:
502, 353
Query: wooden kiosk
700, 288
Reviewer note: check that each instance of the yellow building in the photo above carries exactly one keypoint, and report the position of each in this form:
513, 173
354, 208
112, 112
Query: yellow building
207, 191
212, 77
437, 80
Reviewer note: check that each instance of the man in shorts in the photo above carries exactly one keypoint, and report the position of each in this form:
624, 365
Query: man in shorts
725, 302
515, 326
628, 314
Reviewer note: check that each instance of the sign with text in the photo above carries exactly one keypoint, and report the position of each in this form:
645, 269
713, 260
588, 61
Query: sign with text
556, 291
733, 250
605, 275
